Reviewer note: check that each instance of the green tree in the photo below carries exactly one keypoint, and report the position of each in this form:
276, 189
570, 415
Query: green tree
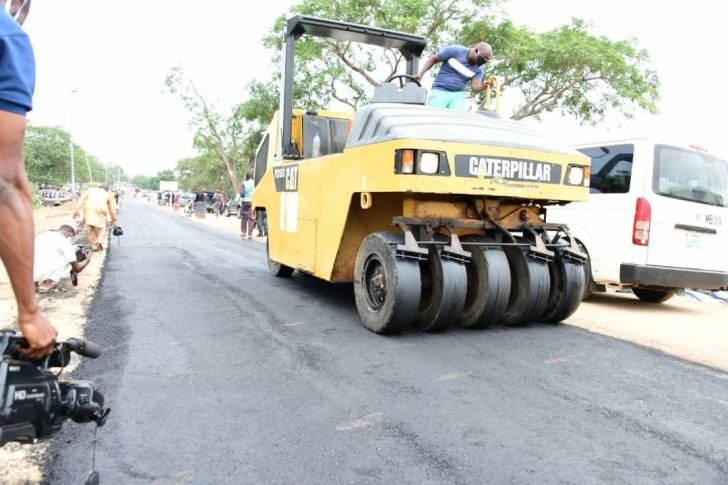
257, 111
47, 155
48, 158
214, 132
203, 172
566, 70
151, 182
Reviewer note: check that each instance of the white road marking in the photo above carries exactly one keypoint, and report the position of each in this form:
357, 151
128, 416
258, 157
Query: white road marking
452, 375
364, 422
294, 324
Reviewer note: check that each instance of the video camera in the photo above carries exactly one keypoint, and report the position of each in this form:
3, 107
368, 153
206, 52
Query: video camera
34, 403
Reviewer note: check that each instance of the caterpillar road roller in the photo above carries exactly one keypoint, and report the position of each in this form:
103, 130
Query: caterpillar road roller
437, 217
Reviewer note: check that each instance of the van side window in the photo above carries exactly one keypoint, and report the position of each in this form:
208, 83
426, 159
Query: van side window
611, 168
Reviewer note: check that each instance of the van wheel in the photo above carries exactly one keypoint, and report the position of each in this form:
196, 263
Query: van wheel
653, 296
277, 269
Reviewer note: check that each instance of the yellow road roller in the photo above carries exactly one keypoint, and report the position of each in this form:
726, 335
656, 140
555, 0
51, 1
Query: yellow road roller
437, 217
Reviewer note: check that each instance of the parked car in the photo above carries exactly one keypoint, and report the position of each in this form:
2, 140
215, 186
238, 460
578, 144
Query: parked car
185, 199
232, 207
656, 219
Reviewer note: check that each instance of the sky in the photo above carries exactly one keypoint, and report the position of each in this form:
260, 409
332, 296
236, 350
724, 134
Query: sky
115, 56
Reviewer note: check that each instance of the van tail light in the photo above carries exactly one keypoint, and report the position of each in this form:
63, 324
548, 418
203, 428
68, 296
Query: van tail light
641, 229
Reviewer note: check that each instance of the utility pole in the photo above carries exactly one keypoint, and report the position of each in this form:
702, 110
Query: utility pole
70, 134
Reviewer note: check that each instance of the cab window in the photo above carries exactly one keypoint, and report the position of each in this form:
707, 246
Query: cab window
332, 134
611, 168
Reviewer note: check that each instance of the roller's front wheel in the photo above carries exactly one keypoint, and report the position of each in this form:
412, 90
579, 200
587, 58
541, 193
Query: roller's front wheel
386, 288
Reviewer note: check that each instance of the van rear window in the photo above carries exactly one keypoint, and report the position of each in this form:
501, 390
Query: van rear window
611, 168
690, 175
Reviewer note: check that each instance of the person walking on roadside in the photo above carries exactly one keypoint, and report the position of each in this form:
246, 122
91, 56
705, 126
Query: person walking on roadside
17, 231
97, 205
223, 202
247, 223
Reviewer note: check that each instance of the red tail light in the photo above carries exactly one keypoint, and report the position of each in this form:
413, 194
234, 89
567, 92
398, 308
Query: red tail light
641, 228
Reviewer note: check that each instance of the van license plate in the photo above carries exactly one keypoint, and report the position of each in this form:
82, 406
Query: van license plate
693, 241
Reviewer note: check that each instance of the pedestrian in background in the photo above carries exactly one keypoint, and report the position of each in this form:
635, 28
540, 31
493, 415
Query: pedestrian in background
223, 201
247, 223
97, 205
216, 203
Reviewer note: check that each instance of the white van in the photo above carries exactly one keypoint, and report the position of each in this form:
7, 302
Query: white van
656, 219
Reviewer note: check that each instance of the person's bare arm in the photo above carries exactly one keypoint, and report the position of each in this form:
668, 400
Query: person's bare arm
78, 267
112, 209
17, 235
428, 65
478, 85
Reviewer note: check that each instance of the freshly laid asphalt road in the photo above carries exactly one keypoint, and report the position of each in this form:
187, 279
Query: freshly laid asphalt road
217, 372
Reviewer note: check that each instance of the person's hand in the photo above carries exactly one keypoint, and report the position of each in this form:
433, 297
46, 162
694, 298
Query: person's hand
39, 333
418, 77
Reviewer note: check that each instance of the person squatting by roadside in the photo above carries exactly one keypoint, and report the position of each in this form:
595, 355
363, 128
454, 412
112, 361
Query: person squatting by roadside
53, 254
97, 205
17, 231
247, 223
459, 65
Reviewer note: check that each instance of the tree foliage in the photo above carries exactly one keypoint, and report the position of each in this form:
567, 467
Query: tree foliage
48, 159
203, 172
151, 182
567, 69
47, 155
215, 133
